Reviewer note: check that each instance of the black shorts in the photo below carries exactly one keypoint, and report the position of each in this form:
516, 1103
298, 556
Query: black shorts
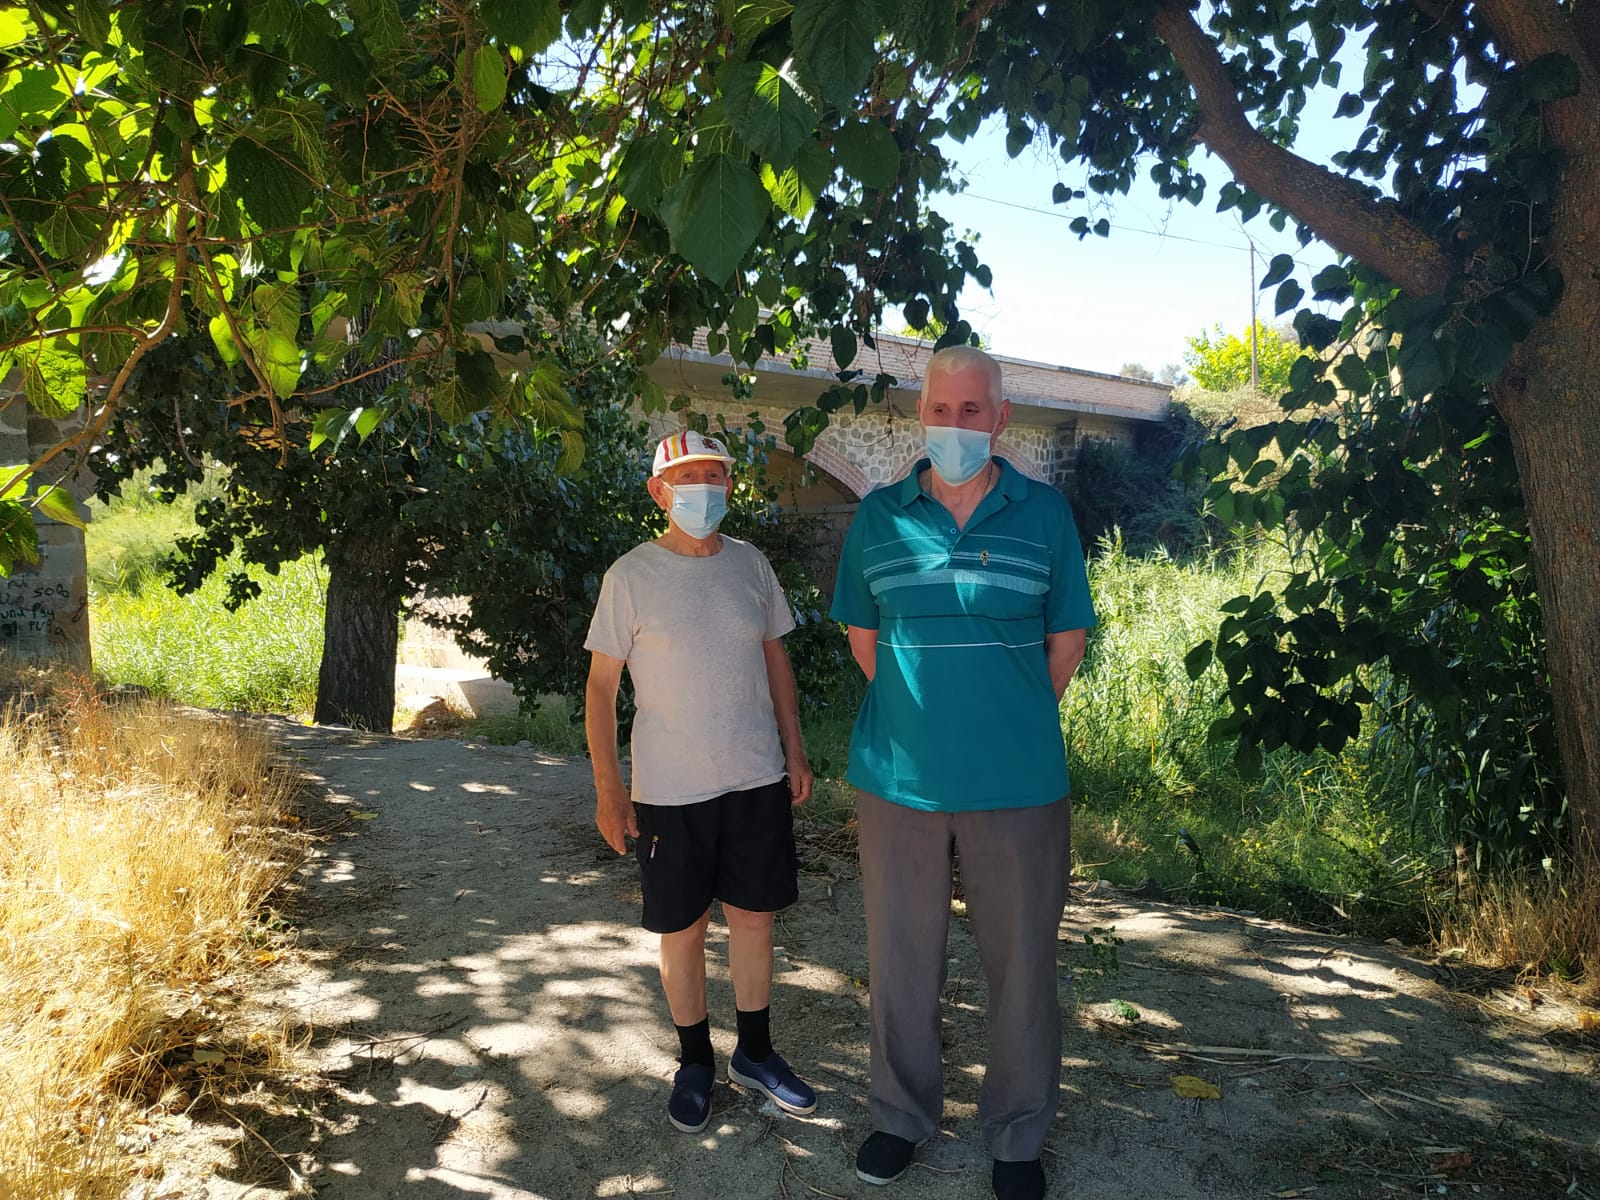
737, 848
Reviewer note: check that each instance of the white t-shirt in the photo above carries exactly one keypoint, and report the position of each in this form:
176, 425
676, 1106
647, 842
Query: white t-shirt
691, 631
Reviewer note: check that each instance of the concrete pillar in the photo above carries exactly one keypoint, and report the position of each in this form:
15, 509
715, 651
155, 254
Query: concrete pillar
44, 609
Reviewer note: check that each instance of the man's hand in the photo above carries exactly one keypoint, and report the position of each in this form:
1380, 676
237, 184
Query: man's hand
800, 779
613, 814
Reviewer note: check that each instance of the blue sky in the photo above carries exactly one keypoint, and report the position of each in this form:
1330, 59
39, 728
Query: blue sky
1167, 272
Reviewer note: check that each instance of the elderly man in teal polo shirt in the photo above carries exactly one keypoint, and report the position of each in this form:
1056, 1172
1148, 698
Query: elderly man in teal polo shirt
964, 592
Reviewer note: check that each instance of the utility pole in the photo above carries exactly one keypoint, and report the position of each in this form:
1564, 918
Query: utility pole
1255, 367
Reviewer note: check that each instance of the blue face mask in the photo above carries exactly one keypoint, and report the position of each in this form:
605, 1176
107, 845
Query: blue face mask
698, 508
957, 454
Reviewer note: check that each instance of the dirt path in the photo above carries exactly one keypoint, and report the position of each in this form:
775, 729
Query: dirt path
488, 1014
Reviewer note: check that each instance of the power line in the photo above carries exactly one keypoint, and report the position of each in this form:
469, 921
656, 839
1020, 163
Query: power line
1045, 212
1155, 233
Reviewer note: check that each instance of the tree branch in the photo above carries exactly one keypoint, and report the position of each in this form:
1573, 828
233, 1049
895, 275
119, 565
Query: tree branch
1341, 212
95, 425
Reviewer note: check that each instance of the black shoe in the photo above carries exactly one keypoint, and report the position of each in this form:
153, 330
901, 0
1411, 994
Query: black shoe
1018, 1180
773, 1076
689, 1109
883, 1157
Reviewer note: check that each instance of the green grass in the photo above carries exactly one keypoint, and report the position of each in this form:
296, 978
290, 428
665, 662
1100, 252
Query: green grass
263, 658
549, 727
1320, 837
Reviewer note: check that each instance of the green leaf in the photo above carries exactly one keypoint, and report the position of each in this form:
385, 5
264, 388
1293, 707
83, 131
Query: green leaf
572, 450
15, 27
1421, 366
222, 338
788, 190
369, 418
1197, 660
481, 382
1353, 374
844, 345
927, 26
19, 537
867, 151
1289, 294
833, 41
1277, 270
270, 183
1550, 77
35, 93
278, 357
529, 24
94, 21
53, 377
486, 72
766, 111
449, 400
648, 169
750, 20
68, 230
714, 213
330, 423
1484, 352
379, 25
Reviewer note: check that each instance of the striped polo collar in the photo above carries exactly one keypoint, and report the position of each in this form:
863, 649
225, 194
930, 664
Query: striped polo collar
1013, 485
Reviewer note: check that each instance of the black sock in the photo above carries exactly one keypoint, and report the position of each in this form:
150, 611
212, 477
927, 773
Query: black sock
694, 1044
755, 1034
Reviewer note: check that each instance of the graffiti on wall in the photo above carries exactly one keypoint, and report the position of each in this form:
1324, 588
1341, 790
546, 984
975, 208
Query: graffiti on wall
34, 613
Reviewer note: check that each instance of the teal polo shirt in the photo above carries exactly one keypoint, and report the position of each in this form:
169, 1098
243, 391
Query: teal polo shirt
960, 715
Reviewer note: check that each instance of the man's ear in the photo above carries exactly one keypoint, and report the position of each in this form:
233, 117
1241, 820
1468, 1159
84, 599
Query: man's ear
658, 492
1005, 418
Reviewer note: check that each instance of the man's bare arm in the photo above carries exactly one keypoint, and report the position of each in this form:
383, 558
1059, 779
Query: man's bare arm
864, 648
1064, 651
613, 810
786, 706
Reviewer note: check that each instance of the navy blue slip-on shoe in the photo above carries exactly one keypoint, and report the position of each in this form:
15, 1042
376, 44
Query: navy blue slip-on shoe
782, 1086
1018, 1180
689, 1109
883, 1157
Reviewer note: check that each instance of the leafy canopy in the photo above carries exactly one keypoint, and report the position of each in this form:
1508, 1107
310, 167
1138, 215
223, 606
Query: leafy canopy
1221, 362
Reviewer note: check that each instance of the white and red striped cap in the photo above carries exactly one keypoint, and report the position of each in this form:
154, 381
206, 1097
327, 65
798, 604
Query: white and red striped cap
689, 446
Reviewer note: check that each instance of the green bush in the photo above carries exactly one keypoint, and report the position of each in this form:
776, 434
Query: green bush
133, 536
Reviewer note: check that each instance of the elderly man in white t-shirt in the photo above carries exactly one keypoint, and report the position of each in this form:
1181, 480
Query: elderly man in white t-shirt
718, 762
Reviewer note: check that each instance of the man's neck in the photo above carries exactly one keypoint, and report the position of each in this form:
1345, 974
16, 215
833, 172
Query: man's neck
961, 497
679, 542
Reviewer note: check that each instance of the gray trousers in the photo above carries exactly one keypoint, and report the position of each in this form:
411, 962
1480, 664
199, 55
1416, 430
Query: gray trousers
1015, 864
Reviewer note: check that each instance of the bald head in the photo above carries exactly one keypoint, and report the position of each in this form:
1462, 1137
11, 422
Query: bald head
959, 360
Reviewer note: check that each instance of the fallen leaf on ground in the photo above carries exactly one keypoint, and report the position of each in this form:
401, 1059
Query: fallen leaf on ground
1588, 1019
1448, 1159
1192, 1087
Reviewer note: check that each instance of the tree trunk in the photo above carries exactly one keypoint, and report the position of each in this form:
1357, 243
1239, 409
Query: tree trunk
361, 634
1548, 401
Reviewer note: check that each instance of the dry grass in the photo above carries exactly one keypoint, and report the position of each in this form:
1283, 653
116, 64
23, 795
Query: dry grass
137, 847
1546, 929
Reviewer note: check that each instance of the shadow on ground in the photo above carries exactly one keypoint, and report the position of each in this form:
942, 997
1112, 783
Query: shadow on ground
487, 1022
